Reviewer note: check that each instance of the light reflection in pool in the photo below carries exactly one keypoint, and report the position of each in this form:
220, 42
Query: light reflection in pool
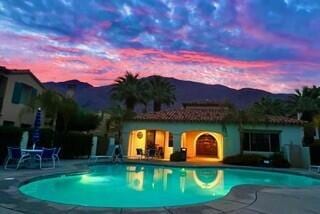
152, 186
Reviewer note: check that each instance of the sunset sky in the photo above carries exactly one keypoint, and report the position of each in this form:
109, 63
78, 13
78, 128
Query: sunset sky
267, 44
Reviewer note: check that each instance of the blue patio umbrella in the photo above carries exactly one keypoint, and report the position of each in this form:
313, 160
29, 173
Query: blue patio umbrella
36, 128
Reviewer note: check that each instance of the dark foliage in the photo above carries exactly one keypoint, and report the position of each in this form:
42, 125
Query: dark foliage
9, 136
315, 153
73, 145
244, 160
309, 132
276, 160
84, 121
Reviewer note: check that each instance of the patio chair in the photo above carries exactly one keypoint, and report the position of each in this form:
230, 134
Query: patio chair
15, 154
140, 153
160, 152
151, 153
56, 155
315, 168
46, 155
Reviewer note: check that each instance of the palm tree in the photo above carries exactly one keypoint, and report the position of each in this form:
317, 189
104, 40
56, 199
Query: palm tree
128, 89
161, 92
269, 106
306, 102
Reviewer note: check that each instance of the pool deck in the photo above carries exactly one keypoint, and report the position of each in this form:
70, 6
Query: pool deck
246, 199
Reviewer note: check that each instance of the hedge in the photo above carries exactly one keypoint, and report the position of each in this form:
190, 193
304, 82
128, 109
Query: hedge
276, 160
73, 144
9, 136
244, 160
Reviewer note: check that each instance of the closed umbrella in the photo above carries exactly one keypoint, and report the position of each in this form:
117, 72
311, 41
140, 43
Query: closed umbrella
36, 129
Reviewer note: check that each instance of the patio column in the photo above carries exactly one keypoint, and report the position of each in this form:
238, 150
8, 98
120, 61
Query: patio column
176, 141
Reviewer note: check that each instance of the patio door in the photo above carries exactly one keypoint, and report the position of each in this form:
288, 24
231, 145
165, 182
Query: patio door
207, 146
151, 139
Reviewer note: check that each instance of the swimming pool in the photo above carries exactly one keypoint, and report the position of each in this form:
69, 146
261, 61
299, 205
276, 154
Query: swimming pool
127, 185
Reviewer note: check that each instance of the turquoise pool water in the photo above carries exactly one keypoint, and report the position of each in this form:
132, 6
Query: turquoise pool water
152, 186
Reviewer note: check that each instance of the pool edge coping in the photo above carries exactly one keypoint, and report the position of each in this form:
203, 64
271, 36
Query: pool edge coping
85, 168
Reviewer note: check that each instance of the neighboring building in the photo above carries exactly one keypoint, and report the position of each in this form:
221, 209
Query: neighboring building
209, 133
17, 88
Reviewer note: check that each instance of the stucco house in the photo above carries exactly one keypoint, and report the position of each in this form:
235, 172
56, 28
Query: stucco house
17, 88
208, 133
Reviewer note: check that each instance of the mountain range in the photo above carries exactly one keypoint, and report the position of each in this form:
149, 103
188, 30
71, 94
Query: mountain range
98, 98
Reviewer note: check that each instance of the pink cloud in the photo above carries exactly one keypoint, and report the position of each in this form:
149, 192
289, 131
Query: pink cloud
54, 58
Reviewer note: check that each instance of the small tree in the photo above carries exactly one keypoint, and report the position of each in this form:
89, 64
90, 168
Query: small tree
117, 116
67, 110
49, 101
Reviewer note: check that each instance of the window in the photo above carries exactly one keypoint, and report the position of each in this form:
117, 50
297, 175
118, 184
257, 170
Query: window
23, 93
261, 142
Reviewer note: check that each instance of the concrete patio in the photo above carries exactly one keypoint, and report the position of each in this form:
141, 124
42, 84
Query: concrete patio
247, 199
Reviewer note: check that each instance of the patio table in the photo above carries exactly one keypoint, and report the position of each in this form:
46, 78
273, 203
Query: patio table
32, 153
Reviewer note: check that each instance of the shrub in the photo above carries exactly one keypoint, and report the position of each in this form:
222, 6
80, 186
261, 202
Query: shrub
308, 138
73, 145
315, 153
277, 160
46, 138
9, 136
244, 160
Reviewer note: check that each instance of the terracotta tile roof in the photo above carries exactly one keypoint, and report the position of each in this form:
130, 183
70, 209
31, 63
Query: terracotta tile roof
192, 115
207, 115
205, 103
18, 72
284, 120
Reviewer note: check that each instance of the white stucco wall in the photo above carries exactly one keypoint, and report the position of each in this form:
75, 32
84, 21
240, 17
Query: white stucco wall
288, 134
11, 111
230, 132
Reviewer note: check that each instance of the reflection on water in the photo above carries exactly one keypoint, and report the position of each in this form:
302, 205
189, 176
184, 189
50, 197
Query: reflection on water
159, 177
152, 186
141, 178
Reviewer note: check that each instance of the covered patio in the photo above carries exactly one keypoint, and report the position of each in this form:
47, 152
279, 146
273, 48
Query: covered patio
200, 144
207, 132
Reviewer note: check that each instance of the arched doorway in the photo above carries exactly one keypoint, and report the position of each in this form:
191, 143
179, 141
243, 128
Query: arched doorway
207, 146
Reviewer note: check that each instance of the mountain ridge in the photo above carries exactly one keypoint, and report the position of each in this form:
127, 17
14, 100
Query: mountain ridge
98, 97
